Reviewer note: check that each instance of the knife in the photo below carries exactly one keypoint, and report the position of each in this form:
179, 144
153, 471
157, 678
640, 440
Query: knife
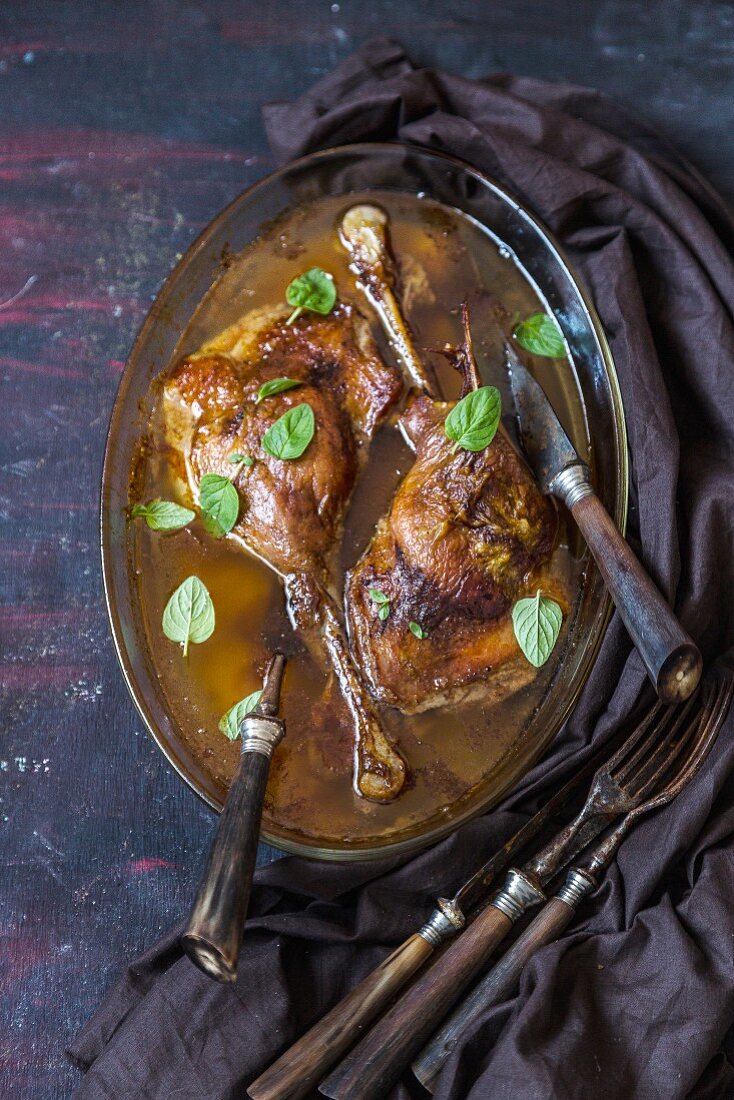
299, 1069
670, 656
213, 935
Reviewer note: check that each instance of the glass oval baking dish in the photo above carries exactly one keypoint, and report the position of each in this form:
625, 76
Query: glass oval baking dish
194, 303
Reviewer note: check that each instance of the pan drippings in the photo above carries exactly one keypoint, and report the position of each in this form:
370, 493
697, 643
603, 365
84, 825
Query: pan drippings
444, 259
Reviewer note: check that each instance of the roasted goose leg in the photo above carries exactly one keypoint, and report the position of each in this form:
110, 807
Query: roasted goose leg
466, 535
292, 510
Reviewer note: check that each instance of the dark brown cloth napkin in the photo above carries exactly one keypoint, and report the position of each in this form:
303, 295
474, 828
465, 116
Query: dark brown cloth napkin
637, 999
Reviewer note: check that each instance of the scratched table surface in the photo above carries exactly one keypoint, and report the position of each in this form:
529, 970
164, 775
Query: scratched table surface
123, 129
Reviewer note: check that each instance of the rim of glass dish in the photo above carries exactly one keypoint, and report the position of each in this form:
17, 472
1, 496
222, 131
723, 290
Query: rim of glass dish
418, 841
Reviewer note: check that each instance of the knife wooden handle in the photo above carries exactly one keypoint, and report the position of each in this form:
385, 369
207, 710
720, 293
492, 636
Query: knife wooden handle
213, 935
300, 1068
492, 989
671, 657
375, 1064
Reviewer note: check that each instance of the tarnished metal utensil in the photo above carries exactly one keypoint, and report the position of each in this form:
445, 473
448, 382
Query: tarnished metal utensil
376, 1062
663, 776
213, 935
671, 658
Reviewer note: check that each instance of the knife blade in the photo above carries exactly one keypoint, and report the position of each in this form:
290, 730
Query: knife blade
669, 654
546, 445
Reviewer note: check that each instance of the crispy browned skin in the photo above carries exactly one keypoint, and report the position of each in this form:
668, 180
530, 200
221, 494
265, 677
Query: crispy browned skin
292, 510
463, 537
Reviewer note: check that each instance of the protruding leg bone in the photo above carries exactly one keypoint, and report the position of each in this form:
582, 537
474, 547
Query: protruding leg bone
379, 772
363, 232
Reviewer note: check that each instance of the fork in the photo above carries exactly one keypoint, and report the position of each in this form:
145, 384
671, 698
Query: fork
674, 767
376, 1062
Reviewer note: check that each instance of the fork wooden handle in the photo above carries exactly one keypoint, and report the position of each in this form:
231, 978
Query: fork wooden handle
671, 658
492, 989
375, 1064
301, 1067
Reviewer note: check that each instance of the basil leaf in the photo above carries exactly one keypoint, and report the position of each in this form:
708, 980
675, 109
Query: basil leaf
473, 421
163, 515
382, 601
417, 630
189, 614
229, 723
289, 436
314, 290
220, 504
276, 385
541, 335
246, 460
537, 624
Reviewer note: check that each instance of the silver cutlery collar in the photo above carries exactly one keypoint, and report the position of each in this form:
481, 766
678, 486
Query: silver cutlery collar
518, 894
261, 734
578, 885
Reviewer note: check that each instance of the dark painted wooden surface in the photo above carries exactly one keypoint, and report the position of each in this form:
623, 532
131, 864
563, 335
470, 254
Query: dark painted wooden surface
123, 129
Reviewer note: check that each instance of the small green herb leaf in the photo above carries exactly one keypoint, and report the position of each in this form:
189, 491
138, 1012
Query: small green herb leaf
289, 436
220, 504
243, 460
537, 624
163, 515
382, 601
417, 630
189, 614
473, 421
229, 723
276, 385
314, 290
541, 335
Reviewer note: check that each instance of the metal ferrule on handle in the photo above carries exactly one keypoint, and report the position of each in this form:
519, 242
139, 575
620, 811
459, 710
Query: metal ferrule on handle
578, 885
517, 895
572, 484
260, 734
502, 978
445, 921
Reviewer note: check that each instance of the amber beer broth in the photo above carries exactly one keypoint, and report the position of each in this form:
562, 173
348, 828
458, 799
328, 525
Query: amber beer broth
448, 751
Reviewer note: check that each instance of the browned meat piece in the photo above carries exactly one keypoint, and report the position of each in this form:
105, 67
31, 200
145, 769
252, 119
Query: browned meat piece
465, 534
292, 510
